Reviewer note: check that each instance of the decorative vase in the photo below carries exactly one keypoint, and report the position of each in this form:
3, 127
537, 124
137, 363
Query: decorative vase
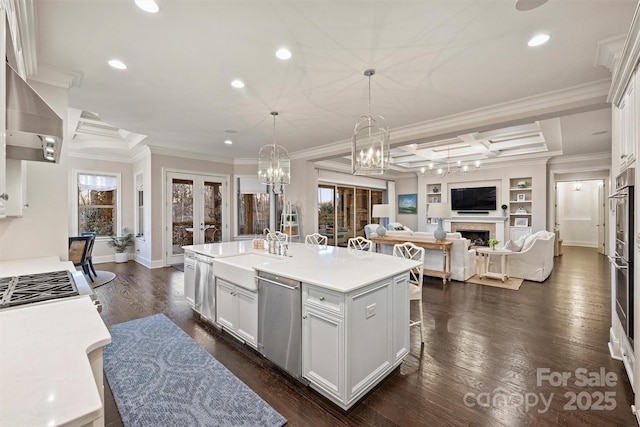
381, 231
122, 256
439, 233
493, 247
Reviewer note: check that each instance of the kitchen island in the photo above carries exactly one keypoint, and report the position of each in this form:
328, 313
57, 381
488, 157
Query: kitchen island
51, 356
354, 306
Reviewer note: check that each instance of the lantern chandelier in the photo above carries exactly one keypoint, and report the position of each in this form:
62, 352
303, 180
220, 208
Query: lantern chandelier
274, 165
370, 141
457, 168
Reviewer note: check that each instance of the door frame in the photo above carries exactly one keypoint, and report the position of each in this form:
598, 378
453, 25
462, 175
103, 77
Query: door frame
224, 179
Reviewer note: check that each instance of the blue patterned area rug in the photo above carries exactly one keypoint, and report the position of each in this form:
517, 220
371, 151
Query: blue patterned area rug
159, 376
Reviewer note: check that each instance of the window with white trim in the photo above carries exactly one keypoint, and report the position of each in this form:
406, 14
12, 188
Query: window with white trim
98, 203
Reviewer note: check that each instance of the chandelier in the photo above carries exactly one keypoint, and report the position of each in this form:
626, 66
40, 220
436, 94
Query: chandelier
274, 165
370, 142
458, 168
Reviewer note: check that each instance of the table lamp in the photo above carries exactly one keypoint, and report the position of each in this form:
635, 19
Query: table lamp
439, 211
381, 211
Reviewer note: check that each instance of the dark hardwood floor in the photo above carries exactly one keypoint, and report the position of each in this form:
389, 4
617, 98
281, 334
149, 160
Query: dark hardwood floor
485, 350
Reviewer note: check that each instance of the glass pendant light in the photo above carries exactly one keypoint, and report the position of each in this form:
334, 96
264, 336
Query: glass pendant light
274, 165
370, 142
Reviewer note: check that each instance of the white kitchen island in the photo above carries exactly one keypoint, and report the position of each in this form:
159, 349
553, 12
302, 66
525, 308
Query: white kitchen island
354, 305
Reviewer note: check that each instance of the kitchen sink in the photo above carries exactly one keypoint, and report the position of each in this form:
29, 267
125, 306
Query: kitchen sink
239, 269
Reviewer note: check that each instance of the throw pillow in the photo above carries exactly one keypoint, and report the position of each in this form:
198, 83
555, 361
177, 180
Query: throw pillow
513, 246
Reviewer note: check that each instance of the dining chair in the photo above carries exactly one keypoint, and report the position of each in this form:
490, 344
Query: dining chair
315, 239
360, 243
408, 250
90, 250
78, 248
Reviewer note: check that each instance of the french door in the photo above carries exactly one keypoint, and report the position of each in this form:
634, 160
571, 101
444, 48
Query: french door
195, 212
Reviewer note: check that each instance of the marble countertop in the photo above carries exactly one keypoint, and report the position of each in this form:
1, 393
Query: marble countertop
335, 268
45, 374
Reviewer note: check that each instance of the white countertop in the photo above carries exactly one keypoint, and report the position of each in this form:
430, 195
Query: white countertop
45, 375
339, 269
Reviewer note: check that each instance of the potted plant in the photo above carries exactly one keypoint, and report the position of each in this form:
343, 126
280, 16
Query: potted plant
504, 210
493, 243
122, 244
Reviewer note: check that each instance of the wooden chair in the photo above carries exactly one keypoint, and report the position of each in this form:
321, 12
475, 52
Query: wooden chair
90, 250
315, 239
360, 243
408, 250
78, 248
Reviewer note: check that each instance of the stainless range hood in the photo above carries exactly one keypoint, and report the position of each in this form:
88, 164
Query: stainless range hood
34, 130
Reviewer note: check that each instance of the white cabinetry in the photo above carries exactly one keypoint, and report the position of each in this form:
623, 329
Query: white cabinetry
351, 341
190, 277
16, 187
628, 122
3, 113
237, 311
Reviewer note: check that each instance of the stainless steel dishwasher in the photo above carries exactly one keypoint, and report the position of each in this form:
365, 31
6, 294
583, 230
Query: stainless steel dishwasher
279, 322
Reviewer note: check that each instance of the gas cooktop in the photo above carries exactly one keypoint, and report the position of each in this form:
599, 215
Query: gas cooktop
30, 288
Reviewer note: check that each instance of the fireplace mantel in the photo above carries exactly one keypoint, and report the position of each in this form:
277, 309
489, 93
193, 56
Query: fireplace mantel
494, 224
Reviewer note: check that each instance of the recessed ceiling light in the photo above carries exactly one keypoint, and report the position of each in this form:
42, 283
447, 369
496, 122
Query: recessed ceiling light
230, 131
116, 63
283, 53
524, 5
538, 40
237, 84
228, 142
148, 5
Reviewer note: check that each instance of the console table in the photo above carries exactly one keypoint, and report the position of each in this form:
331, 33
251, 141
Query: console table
444, 246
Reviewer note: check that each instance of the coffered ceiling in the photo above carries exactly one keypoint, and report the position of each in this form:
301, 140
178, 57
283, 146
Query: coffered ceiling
454, 79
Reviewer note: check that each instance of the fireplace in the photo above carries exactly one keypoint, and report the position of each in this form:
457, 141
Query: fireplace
477, 237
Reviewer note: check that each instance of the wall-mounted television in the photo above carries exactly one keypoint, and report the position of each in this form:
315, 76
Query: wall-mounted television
473, 199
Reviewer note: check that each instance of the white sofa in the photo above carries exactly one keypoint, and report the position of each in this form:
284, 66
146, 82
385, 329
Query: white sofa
463, 259
535, 260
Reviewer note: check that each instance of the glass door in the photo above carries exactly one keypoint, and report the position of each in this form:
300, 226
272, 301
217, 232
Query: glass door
326, 212
344, 215
195, 213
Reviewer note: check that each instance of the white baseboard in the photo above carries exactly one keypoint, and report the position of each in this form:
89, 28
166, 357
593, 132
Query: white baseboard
579, 243
614, 345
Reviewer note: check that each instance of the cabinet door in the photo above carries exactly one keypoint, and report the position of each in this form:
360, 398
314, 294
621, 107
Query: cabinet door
400, 318
226, 305
247, 319
323, 351
190, 281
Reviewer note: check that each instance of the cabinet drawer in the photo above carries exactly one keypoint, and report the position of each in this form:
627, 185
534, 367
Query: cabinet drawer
324, 299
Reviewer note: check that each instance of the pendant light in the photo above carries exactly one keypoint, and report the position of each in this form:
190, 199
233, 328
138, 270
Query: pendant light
370, 141
274, 165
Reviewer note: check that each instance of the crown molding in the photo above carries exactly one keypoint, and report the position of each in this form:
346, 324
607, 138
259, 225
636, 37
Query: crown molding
57, 77
568, 101
187, 155
609, 51
628, 61
124, 158
245, 161
606, 156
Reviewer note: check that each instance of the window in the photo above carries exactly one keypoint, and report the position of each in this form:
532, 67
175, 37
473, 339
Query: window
98, 203
254, 206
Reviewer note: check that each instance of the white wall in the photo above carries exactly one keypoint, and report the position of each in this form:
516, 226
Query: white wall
577, 213
406, 186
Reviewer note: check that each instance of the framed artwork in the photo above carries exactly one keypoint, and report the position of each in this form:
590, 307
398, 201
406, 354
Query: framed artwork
521, 222
408, 203
520, 197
